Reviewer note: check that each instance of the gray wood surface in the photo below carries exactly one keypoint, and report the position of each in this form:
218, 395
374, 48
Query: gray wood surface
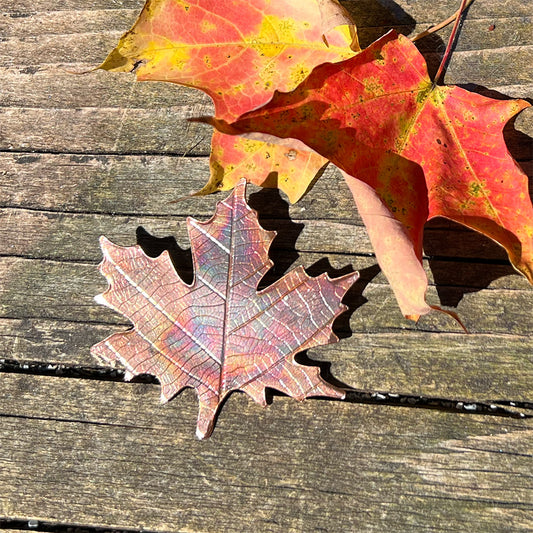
316, 466
85, 155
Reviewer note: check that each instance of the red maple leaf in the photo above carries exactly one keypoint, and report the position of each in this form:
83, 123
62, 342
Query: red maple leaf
220, 334
411, 150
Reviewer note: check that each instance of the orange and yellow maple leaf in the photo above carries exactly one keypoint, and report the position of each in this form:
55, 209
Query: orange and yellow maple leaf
239, 53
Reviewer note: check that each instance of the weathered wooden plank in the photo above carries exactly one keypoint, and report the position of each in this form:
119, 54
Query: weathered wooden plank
14, 9
146, 131
67, 21
49, 87
406, 12
291, 467
484, 367
488, 25
476, 367
370, 13
109, 130
99, 30
136, 131
74, 237
105, 184
146, 185
64, 290
51, 342
489, 67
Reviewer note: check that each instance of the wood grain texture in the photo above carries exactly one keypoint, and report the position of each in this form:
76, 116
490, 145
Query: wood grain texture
259, 471
449, 365
84, 155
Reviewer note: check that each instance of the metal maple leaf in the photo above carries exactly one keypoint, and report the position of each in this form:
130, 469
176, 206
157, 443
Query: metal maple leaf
220, 334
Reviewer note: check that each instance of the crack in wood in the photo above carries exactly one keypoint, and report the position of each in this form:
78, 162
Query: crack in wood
493, 408
31, 524
73, 421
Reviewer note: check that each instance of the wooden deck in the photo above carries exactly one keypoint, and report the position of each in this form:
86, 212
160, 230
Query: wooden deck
426, 443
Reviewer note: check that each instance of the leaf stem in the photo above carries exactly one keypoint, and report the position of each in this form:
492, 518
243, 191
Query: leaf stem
440, 25
451, 40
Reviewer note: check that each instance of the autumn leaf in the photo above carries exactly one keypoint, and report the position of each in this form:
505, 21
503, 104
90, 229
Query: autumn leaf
220, 334
424, 149
238, 52
397, 241
287, 166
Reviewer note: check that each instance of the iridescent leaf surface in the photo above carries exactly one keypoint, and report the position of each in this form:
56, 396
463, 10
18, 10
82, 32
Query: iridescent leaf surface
366, 112
220, 334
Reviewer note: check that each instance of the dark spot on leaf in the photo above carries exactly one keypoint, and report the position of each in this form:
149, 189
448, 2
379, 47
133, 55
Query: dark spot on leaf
137, 64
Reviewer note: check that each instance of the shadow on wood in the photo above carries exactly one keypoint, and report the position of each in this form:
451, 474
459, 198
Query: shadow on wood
453, 276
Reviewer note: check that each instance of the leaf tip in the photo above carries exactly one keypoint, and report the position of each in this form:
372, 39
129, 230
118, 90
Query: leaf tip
212, 121
345, 281
353, 277
240, 189
117, 62
100, 299
204, 428
95, 350
452, 314
106, 245
341, 394
200, 435
219, 124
